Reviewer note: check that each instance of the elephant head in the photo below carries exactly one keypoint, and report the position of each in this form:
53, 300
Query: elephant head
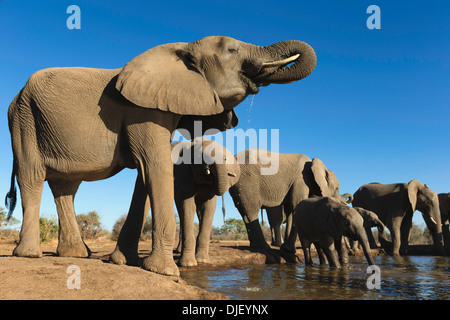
211, 164
348, 222
370, 219
204, 80
326, 184
426, 201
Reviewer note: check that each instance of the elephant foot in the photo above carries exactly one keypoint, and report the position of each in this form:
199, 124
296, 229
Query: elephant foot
123, 257
202, 257
188, 260
27, 250
76, 250
161, 264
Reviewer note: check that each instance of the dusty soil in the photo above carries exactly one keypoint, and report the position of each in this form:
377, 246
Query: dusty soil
47, 277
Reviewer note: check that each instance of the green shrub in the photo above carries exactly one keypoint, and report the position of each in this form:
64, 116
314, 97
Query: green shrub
48, 228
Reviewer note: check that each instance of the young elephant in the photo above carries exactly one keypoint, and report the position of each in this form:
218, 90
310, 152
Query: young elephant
203, 170
277, 182
324, 221
370, 220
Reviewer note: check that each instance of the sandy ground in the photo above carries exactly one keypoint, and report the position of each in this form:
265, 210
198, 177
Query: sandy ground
47, 277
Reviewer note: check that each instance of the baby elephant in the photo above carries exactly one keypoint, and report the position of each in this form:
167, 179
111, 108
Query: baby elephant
203, 169
324, 221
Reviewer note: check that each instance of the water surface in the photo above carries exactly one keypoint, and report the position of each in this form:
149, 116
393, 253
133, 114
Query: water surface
404, 278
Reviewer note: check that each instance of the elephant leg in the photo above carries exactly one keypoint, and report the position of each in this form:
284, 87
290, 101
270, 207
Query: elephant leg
205, 211
70, 243
405, 233
186, 210
396, 236
306, 246
31, 181
275, 217
341, 248
328, 247
322, 258
126, 251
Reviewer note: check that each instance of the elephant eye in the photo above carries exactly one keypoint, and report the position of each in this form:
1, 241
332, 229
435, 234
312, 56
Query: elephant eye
232, 50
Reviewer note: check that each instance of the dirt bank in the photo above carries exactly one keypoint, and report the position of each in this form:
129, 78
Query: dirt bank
46, 278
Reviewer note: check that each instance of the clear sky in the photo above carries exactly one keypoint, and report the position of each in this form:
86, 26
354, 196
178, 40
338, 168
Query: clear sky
376, 108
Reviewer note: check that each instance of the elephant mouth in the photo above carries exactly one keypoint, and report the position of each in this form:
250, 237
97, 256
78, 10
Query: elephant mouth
272, 69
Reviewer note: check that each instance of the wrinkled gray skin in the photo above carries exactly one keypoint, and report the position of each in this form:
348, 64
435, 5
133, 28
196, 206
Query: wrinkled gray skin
70, 125
444, 206
297, 178
395, 204
324, 221
276, 217
197, 185
370, 220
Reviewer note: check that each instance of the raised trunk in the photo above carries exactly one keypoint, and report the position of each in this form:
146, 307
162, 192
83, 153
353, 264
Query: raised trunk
278, 55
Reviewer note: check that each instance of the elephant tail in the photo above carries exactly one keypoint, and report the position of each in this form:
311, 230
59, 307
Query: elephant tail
11, 196
223, 207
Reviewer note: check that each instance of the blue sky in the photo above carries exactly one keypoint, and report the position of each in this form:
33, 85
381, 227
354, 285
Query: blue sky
376, 108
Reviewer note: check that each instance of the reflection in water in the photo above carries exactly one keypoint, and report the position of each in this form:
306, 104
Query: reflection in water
401, 278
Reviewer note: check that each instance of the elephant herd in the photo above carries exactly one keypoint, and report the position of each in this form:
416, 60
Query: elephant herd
304, 194
70, 125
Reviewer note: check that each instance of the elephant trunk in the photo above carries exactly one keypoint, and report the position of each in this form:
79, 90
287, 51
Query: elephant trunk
221, 184
433, 222
276, 58
347, 198
362, 238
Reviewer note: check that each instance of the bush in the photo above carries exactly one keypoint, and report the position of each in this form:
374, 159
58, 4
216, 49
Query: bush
146, 230
48, 228
90, 226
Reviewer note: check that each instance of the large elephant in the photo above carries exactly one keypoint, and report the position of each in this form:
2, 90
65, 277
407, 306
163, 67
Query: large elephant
444, 208
203, 170
294, 178
395, 204
70, 125
324, 221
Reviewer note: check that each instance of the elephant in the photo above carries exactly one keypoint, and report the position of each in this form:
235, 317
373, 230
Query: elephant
276, 217
444, 208
324, 221
197, 184
370, 220
296, 177
76, 124
395, 204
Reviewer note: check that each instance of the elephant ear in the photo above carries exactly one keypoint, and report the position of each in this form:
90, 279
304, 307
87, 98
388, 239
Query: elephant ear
413, 188
166, 78
323, 177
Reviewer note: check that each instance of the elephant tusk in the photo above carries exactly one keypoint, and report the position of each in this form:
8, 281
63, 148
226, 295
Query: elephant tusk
208, 172
432, 220
280, 62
